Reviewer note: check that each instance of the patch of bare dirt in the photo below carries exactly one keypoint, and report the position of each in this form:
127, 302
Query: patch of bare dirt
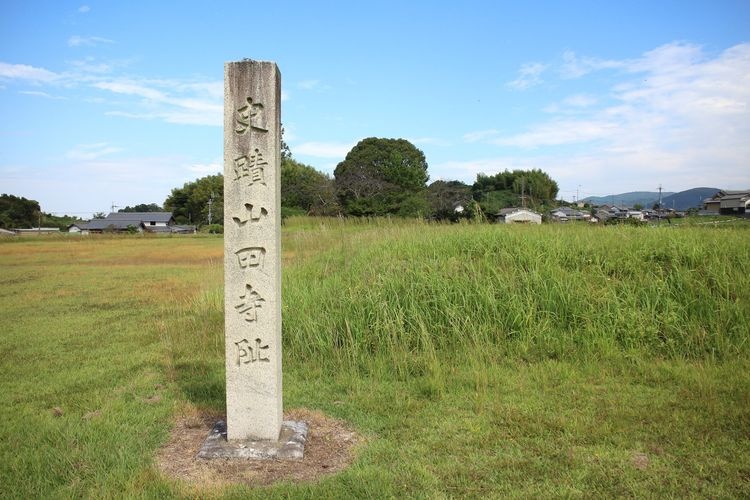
640, 461
329, 448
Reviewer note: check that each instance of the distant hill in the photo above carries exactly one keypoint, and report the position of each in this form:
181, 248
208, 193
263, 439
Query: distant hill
688, 199
645, 198
679, 201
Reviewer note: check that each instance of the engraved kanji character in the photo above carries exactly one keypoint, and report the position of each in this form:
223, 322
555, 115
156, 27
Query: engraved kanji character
251, 257
251, 300
250, 116
247, 354
252, 213
252, 166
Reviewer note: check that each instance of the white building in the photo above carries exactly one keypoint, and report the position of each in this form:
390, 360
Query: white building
518, 216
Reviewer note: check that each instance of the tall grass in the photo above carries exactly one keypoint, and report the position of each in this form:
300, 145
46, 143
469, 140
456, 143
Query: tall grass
575, 292
481, 360
409, 296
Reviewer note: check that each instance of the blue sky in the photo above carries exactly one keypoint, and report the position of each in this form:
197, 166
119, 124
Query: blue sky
119, 102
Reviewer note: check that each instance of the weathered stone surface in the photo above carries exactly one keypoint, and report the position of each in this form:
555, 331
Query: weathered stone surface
252, 250
289, 446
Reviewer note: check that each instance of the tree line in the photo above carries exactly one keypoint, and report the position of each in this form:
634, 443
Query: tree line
378, 177
17, 212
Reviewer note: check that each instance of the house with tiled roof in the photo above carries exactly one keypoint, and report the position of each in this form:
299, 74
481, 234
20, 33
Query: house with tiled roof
123, 222
564, 214
726, 202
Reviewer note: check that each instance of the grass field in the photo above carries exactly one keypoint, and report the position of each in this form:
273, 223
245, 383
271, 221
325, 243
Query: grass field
478, 360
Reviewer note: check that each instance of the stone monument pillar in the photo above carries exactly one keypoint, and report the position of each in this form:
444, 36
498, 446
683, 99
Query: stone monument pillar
252, 249
252, 271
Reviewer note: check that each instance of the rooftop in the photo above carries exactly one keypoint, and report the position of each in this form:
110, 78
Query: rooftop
141, 216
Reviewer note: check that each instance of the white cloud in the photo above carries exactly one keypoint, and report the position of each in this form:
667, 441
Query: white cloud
672, 58
131, 88
91, 65
170, 101
204, 169
480, 135
289, 134
528, 76
675, 115
308, 84
40, 94
322, 149
466, 171
429, 141
87, 41
27, 73
559, 132
313, 84
573, 104
97, 184
553, 133
580, 100
677, 93
214, 89
135, 116
88, 152
576, 67
83, 9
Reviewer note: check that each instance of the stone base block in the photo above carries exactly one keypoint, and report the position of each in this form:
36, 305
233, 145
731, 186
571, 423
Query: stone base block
290, 446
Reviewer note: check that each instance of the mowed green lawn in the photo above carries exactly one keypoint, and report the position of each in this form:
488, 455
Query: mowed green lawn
477, 360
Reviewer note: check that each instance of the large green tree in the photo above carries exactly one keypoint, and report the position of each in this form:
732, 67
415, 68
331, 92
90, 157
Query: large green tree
533, 187
17, 212
381, 177
445, 196
190, 203
142, 207
305, 189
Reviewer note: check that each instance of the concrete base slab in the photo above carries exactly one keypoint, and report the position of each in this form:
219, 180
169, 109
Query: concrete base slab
290, 445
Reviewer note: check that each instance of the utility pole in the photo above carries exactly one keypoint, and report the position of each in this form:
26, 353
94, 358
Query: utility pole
659, 188
114, 206
210, 202
659, 211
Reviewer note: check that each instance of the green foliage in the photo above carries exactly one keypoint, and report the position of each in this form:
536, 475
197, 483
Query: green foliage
444, 196
286, 153
541, 292
382, 177
189, 204
142, 207
625, 221
307, 190
508, 187
494, 201
59, 221
18, 212
95, 301
213, 229
477, 360
287, 212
